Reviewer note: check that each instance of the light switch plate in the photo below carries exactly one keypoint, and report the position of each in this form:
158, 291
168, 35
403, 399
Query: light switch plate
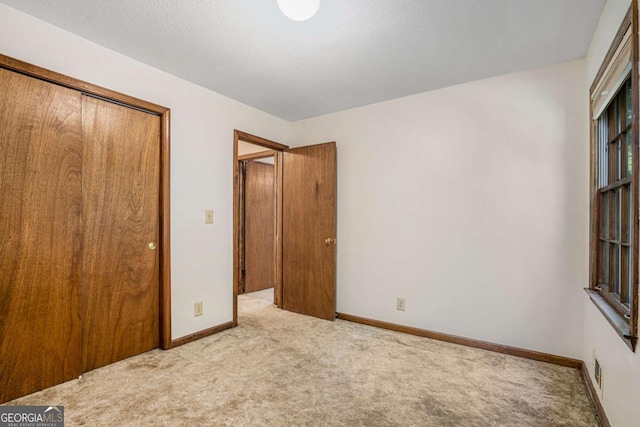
208, 216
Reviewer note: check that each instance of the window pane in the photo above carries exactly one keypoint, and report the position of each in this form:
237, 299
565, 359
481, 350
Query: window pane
614, 149
629, 278
629, 146
605, 264
614, 161
603, 154
615, 269
614, 215
620, 214
624, 272
619, 163
625, 220
629, 214
604, 217
629, 103
616, 115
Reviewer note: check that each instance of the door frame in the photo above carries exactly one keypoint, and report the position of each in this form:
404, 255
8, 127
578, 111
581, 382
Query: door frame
164, 113
272, 148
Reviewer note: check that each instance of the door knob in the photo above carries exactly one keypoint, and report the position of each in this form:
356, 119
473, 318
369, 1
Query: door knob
152, 245
329, 241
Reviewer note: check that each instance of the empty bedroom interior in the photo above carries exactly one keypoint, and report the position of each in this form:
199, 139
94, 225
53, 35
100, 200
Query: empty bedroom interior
467, 197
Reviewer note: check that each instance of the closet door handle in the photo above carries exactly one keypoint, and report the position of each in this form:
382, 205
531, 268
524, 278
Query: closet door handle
152, 245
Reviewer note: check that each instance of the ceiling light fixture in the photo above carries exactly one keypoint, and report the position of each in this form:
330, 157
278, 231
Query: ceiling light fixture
299, 10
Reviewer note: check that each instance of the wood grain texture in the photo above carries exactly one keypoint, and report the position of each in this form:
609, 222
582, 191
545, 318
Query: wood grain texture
263, 142
241, 226
594, 202
121, 165
40, 225
236, 227
165, 227
204, 333
259, 229
278, 165
619, 323
630, 20
72, 83
469, 342
635, 89
626, 22
44, 74
237, 224
309, 218
259, 155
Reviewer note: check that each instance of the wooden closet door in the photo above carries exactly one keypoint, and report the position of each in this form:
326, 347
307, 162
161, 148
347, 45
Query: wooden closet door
260, 226
120, 293
40, 228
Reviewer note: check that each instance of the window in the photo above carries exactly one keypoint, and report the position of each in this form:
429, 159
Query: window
615, 160
614, 194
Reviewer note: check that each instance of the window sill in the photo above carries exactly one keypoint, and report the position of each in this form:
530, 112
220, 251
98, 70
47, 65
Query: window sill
618, 321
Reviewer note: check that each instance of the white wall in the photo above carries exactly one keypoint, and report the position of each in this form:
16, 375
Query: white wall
470, 201
202, 124
465, 202
621, 387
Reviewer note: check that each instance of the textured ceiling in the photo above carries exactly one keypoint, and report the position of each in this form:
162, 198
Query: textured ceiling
352, 53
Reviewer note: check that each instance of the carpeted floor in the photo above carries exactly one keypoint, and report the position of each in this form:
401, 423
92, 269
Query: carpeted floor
282, 369
266, 294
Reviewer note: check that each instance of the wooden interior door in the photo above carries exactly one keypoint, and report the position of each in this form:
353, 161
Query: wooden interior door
40, 225
259, 226
309, 230
121, 195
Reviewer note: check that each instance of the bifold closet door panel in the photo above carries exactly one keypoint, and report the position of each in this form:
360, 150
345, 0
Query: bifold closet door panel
120, 293
40, 228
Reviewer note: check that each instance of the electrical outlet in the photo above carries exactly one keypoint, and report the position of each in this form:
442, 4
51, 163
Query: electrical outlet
401, 304
208, 216
197, 309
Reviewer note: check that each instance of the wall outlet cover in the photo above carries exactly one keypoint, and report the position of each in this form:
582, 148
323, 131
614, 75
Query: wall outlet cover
197, 309
208, 216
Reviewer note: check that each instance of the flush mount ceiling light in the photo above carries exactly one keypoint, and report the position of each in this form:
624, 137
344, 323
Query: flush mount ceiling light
299, 10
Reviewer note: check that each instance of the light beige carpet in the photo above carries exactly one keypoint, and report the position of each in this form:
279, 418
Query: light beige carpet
282, 369
265, 294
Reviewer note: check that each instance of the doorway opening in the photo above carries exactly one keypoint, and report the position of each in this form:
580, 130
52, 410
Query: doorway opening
257, 240
258, 237
284, 224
